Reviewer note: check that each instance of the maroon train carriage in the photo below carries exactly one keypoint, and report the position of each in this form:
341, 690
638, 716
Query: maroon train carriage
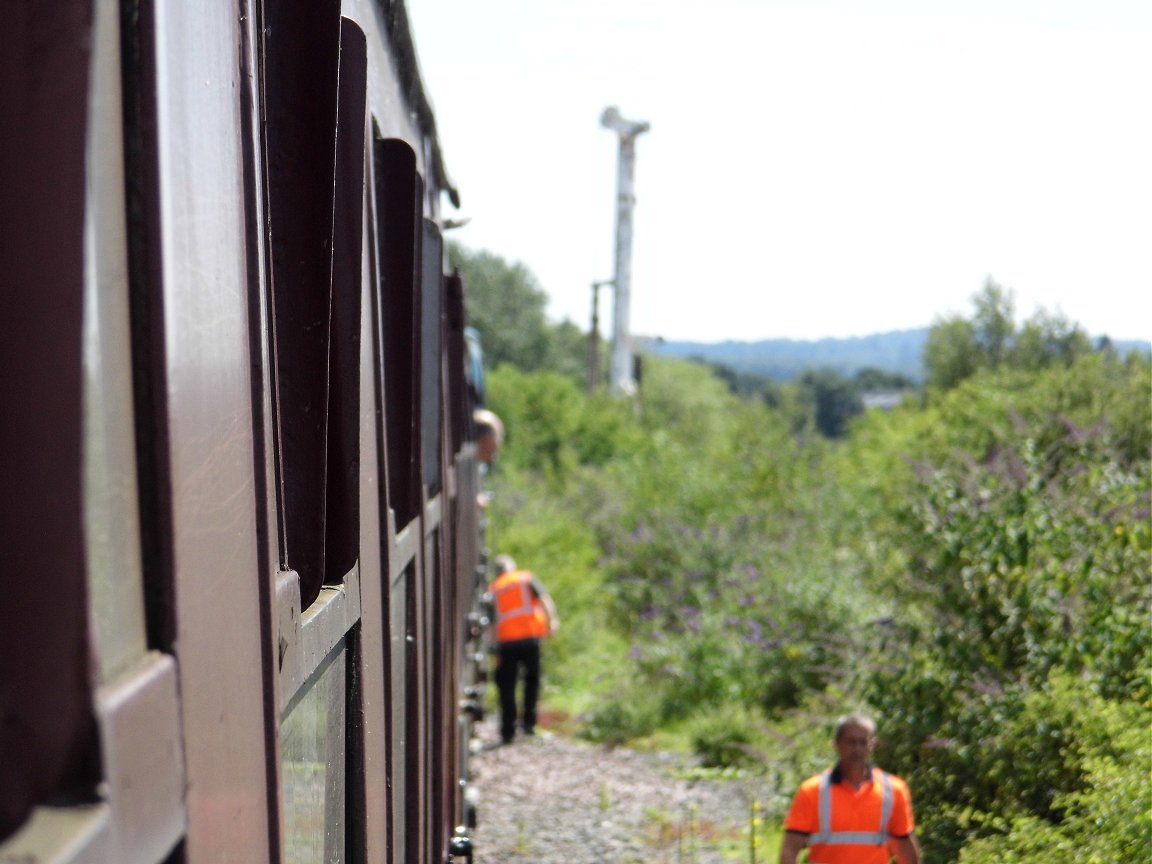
241, 542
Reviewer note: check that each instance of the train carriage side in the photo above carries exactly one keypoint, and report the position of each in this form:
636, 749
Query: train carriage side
245, 552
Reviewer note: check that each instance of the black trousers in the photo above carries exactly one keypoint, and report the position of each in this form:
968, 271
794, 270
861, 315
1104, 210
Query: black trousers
511, 658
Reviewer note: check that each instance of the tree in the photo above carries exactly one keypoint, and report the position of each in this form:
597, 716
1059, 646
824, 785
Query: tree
507, 307
746, 385
566, 350
951, 353
1047, 339
834, 400
957, 347
994, 323
504, 304
871, 378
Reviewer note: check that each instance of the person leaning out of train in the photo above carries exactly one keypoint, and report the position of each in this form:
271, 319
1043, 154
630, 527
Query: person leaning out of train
489, 435
853, 813
524, 615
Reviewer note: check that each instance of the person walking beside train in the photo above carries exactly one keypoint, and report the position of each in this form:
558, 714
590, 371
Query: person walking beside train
853, 813
524, 614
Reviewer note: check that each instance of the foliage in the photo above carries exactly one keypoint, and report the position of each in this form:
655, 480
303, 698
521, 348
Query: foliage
618, 720
731, 736
747, 385
834, 401
973, 564
785, 360
1113, 796
951, 353
586, 661
1025, 551
871, 378
670, 512
552, 427
958, 347
507, 307
1027, 769
1048, 339
994, 322
821, 397
1023, 561
719, 589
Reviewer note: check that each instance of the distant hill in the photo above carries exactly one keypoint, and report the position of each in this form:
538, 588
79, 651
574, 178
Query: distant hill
900, 351
784, 359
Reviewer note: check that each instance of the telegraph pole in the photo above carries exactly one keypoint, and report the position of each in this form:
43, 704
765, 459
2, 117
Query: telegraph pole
627, 131
594, 338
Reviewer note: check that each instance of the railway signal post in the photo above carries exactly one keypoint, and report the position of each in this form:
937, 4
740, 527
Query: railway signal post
623, 382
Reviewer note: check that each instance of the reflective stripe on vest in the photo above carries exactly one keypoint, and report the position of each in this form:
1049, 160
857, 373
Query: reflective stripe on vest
517, 614
838, 838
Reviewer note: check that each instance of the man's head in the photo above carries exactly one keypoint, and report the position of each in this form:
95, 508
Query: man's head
855, 739
489, 434
503, 564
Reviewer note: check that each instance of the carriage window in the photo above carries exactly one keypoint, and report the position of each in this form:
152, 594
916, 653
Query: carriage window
431, 336
342, 513
455, 397
316, 141
315, 85
47, 739
398, 196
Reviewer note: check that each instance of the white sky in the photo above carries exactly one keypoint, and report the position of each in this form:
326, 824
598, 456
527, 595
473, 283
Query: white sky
814, 167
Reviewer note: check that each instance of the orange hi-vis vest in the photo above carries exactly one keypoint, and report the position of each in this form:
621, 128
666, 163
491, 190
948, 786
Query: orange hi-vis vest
519, 613
841, 838
851, 826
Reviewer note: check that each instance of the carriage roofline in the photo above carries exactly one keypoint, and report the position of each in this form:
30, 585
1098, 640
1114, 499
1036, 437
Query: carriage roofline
408, 69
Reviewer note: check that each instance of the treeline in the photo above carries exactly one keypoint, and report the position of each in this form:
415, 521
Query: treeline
898, 352
958, 345
972, 566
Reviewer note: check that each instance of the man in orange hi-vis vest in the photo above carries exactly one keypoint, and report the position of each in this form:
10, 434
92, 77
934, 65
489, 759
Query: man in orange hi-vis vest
853, 813
524, 614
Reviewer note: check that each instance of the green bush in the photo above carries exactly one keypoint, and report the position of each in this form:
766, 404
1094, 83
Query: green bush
553, 428
975, 566
1026, 555
1106, 817
728, 737
620, 720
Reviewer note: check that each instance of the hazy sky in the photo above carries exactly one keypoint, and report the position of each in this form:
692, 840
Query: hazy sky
817, 168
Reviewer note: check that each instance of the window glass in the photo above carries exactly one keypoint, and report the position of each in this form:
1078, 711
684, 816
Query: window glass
111, 523
402, 698
312, 748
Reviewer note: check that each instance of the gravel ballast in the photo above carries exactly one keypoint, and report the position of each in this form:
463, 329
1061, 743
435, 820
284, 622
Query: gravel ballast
550, 799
